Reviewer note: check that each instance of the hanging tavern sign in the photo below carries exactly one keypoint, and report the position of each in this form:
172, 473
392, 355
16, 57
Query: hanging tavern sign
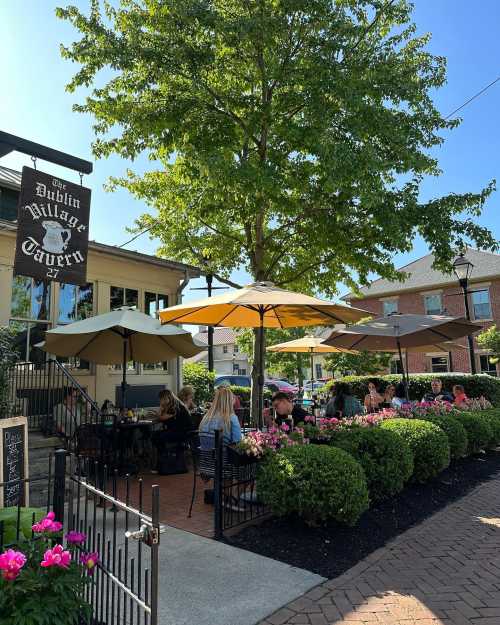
52, 228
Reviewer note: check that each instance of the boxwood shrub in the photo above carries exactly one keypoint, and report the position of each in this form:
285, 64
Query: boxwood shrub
454, 430
479, 432
385, 457
420, 384
493, 420
428, 442
317, 482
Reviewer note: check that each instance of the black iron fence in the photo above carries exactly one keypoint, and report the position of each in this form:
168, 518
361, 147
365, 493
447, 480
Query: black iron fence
54, 402
120, 518
236, 498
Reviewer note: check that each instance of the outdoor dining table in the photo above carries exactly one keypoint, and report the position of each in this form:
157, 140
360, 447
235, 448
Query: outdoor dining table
123, 439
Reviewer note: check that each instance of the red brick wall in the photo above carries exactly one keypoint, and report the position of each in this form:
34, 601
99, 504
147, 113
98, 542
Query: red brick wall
454, 306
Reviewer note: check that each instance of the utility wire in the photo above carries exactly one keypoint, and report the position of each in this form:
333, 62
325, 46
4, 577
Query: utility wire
476, 95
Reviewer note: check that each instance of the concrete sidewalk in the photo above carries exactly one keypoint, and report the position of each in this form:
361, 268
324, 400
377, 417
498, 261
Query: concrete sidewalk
204, 582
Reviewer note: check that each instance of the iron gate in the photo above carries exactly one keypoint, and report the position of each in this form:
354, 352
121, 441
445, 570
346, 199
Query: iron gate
122, 525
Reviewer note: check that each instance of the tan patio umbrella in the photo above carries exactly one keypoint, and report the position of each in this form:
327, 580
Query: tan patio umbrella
261, 305
308, 345
401, 331
118, 337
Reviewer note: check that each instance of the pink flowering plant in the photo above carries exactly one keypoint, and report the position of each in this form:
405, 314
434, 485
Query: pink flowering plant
42, 579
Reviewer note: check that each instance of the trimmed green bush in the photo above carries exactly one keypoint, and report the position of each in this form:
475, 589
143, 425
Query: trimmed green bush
429, 444
316, 482
479, 432
454, 430
493, 420
243, 393
385, 457
200, 378
420, 384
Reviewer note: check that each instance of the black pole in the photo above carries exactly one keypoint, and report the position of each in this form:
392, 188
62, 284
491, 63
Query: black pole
59, 484
312, 370
260, 382
470, 340
450, 360
218, 477
405, 382
210, 333
124, 373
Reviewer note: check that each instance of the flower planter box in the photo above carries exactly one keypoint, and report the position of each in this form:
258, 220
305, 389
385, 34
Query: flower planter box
238, 459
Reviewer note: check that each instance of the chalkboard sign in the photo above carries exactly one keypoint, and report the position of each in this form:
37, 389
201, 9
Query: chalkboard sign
14, 462
52, 228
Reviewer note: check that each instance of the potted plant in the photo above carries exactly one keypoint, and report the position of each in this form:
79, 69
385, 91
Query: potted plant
42, 579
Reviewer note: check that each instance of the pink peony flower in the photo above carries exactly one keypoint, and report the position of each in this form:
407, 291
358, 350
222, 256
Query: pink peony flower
56, 557
11, 563
90, 561
285, 427
75, 538
47, 525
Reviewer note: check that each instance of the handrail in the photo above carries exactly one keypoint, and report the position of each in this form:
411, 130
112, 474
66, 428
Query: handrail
75, 382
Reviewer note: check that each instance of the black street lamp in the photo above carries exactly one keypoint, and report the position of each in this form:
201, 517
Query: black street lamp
463, 269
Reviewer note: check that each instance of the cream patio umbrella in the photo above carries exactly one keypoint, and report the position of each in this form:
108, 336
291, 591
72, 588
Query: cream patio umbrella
308, 345
118, 337
402, 331
261, 305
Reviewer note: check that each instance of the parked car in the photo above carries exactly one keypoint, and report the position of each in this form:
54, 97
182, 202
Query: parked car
316, 386
280, 385
233, 380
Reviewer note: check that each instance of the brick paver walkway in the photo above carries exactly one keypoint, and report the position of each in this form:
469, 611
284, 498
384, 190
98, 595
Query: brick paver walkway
444, 571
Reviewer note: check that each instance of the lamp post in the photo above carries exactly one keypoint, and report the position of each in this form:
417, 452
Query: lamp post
463, 269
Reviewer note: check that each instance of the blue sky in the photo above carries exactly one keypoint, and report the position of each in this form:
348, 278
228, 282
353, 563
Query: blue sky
34, 105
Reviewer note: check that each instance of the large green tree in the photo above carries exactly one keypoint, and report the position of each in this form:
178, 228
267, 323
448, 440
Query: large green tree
289, 137
364, 363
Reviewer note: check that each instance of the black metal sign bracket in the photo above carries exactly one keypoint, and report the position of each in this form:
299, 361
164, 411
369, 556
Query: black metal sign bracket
9, 143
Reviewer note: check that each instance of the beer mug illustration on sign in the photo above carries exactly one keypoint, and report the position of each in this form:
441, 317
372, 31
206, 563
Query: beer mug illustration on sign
56, 237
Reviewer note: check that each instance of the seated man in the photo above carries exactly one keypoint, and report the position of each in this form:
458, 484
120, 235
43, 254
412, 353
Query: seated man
437, 393
284, 407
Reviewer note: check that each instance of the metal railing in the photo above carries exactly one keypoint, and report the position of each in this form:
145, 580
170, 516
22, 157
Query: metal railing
53, 401
236, 500
125, 530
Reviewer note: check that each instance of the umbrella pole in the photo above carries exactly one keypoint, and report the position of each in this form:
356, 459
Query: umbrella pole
124, 374
260, 415
403, 369
312, 371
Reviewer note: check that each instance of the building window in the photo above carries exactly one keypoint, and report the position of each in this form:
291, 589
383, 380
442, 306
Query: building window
481, 304
30, 314
390, 306
487, 366
75, 302
319, 371
157, 366
439, 364
120, 296
243, 371
236, 349
432, 304
224, 349
154, 302
396, 367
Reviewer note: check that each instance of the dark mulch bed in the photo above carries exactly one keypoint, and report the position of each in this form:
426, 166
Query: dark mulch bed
331, 549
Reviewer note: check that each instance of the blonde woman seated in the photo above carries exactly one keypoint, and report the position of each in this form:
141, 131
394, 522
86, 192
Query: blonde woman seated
220, 416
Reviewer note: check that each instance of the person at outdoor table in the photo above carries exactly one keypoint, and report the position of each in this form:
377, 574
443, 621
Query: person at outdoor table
186, 396
67, 415
437, 393
373, 398
174, 418
343, 404
459, 395
389, 393
220, 416
399, 400
285, 408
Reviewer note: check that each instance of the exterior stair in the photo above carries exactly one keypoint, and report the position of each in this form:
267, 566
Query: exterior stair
39, 449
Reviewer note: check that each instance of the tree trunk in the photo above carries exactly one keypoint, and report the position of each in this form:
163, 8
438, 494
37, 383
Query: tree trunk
254, 400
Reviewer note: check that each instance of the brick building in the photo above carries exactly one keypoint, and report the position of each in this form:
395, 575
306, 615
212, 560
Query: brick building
428, 291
